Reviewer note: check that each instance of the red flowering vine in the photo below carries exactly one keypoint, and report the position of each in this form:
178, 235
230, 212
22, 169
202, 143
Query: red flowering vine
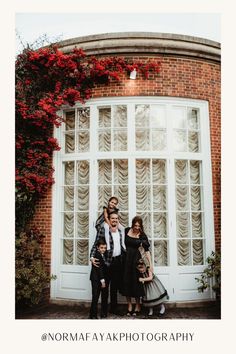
46, 79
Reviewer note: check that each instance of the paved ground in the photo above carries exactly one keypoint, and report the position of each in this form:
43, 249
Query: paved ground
54, 311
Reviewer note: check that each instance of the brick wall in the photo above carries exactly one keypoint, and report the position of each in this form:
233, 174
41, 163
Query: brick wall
179, 77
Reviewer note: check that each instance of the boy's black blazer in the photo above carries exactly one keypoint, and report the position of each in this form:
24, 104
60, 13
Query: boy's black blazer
98, 273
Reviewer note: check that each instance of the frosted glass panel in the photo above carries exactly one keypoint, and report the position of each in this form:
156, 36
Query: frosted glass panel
69, 173
158, 140
83, 198
104, 194
143, 171
181, 171
179, 118
83, 172
195, 172
182, 225
197, 225
196, 198
143, 195
70, 120
83, 141
84, 118
121, 171
160, 253
120, 140
182, 202
82, 252
104, 171
158, 116
104, 140
142, 112
159, 197
68, 252
104, 117
197, 252
193, 141
122, 193
68, 225
142, 139
184, 253
193, 119
159, 171
180, 140
69, 143
68, 198
82, 225
159, 225
120, 116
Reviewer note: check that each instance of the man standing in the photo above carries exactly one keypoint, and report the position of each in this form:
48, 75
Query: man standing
115, 249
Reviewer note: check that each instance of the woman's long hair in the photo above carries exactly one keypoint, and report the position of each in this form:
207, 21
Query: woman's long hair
139, 220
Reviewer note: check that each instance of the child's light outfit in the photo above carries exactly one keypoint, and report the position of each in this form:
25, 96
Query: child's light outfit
155, 292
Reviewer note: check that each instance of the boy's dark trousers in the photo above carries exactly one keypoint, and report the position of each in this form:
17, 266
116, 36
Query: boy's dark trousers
96, 290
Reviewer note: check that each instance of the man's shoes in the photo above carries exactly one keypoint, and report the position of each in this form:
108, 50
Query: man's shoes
115, 312
93, 317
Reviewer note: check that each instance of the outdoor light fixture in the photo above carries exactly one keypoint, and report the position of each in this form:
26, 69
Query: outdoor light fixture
133, 74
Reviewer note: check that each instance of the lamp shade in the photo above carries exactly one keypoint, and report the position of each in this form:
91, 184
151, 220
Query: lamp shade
133, 74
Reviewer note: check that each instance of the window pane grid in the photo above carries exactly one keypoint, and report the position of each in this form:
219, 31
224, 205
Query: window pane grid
75, 212
189, 213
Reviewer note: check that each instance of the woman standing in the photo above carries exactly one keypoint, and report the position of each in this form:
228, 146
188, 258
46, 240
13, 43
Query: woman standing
132, 287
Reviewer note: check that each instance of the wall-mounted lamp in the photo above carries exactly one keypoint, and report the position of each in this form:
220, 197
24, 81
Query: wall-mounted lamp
133, 74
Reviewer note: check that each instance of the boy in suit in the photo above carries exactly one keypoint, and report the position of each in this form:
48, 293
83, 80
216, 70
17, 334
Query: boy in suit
98, 277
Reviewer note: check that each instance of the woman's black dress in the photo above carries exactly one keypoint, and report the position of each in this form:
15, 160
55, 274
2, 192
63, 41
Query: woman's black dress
131, 285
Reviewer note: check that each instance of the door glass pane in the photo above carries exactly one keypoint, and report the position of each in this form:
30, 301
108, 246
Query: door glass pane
195, 172
68, 225
184, 252
82, 225
82, 252
197, 252
181, 171
68, 198
189, 212
197, 230
68, 251
182, 227
160, 253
